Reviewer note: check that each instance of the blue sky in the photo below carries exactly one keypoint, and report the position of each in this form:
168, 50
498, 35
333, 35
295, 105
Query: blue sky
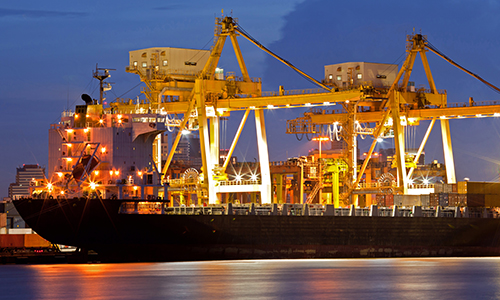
49, 50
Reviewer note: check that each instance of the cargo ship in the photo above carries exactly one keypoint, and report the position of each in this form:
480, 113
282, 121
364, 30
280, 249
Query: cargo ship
110, 189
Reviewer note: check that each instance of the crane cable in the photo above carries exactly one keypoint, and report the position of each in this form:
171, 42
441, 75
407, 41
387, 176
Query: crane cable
442, 55
258, 44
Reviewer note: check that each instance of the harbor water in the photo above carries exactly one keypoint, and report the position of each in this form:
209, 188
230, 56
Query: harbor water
395, 278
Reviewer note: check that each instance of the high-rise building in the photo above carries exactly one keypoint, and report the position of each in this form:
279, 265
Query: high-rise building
188, 151
24, 177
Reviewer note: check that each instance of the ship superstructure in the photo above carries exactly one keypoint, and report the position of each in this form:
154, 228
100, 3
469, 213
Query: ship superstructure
99, 151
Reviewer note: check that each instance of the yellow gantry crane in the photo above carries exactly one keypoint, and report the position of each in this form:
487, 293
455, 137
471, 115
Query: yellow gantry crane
397, 107
212, 97
203, 98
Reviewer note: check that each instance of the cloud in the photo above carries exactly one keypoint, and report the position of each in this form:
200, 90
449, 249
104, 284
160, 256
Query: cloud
5, 12
169, 7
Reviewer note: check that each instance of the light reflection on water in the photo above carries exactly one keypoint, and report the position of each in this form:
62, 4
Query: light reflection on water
397, 278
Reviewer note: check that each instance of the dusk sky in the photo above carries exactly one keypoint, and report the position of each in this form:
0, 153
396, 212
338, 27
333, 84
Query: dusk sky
50, 48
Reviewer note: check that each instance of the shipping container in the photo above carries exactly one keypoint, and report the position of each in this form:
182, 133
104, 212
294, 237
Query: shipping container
23, 241
11, 241
453, 199
389, 200
35, 241
462, 187
462, 200
433, 199
475, 200
469, 187
443, 199
20, 230
454, 188
398, 200
3, 220
438, 188
424, 199
407, 200
491, 200
380, 199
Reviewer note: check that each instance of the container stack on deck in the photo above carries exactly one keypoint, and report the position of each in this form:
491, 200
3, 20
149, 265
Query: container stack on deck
470, 194
461, 194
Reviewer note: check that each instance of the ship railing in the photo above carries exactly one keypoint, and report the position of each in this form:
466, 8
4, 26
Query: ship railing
241, 209
347, 211
142, 208
316, 209
148, 207
299, 209
385, 211
194, 210
366, 185
421, 186
238, 182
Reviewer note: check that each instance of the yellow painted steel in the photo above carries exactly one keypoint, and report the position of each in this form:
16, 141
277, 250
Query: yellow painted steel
233, 144
195, 94
421, 148
400, 107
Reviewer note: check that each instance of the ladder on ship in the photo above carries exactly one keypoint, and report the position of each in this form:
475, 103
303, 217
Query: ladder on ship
313, 193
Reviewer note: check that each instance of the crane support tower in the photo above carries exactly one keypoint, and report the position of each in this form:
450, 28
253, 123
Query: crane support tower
187, 82
396, 107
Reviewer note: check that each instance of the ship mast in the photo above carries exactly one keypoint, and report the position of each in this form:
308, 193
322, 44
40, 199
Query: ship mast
102, 74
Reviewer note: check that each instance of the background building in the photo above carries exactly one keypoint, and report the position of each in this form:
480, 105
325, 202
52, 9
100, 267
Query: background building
20, 188
24, 176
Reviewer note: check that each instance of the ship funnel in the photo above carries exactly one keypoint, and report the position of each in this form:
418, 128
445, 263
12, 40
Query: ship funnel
87, 99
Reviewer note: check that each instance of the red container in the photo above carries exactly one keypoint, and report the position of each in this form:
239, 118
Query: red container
389, 200
11, 240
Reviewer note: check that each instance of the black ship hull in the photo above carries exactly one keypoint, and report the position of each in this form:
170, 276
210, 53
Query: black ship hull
96, 224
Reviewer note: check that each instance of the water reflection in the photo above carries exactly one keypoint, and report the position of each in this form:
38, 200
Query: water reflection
468, 278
